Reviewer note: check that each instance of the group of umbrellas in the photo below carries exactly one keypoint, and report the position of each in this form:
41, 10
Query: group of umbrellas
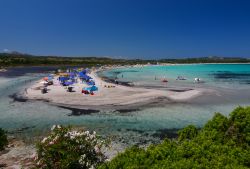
71, 78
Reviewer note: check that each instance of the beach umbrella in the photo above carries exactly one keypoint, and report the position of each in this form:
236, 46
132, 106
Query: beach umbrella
93, 88
84, 71
50, 78
68, 83
91, 83
81, 74
85, 77
62, 79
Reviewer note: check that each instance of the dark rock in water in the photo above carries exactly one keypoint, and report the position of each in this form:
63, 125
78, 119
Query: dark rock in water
127, 110
78, 112
17, 98
166, 133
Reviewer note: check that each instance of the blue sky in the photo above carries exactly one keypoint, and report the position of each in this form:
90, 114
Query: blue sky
126, 28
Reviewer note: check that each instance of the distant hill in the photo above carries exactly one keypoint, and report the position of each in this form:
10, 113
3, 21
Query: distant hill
18, 59
210, 59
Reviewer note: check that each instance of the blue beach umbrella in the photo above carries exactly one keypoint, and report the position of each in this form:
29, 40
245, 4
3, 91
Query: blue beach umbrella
68, 83
94, 88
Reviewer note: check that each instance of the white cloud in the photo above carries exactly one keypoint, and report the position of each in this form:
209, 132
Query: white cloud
6, 50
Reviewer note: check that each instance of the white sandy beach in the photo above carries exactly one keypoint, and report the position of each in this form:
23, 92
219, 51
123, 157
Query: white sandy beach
115, 96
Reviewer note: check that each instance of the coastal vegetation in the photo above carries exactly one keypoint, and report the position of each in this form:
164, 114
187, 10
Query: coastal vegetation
29, 60
224, 142
70, 148
3, 139
18, 59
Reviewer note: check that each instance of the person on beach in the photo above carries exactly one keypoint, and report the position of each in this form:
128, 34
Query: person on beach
116, 82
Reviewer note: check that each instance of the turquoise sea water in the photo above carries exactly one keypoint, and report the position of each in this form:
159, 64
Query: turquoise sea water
215, 75
27, 119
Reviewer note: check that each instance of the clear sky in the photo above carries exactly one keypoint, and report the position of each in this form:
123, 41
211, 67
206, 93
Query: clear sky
126, 28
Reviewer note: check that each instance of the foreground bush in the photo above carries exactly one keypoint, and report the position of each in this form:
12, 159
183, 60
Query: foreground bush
3, 139
222, 143
66, 148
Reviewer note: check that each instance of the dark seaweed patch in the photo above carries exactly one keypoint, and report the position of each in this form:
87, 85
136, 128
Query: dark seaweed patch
17, 98
136, 130
242, 78
114, 74
230, 75
166, 88
78, 112
161, 133
124, 71
246, 82
127, 110
20, 130
123, 83
179, 90
166, 133
109, 80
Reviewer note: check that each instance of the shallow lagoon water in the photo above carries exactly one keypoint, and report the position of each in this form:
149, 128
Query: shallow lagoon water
33, 118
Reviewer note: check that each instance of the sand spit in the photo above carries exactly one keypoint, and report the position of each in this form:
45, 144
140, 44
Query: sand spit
119, 97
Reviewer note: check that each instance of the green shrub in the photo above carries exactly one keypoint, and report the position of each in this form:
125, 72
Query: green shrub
222, 143
67, 148
3, 139
188, 132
